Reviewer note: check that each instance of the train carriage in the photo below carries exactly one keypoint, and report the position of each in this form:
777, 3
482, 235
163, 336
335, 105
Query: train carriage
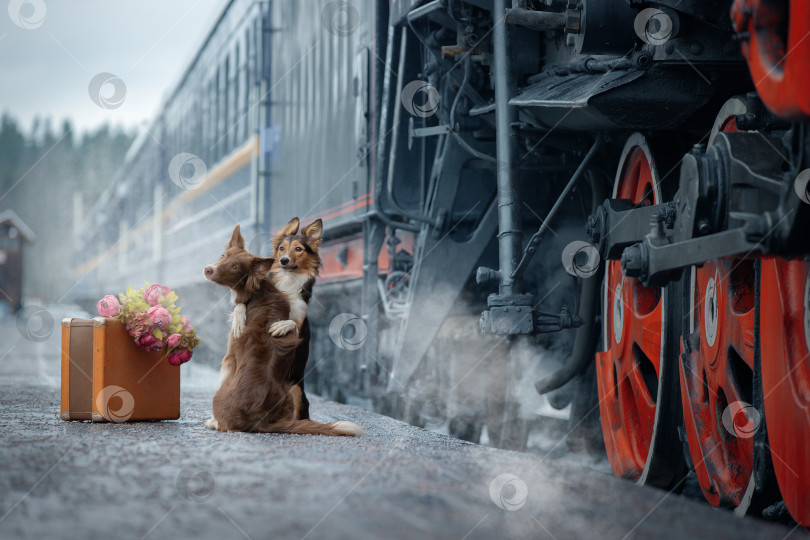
601, 202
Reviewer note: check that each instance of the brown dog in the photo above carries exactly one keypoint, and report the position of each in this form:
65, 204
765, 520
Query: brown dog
294, 273
254, 394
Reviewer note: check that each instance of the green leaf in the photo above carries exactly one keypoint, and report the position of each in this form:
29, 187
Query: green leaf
157, 333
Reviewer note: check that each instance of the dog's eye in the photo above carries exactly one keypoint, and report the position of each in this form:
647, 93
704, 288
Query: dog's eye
299, 248
234, 267
281, 248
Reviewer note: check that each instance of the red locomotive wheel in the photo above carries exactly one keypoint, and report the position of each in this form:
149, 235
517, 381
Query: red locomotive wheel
773, 42
717, 379
639, 436
716, 372
785, 325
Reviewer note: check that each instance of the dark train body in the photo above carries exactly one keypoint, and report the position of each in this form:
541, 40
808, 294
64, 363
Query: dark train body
603, 202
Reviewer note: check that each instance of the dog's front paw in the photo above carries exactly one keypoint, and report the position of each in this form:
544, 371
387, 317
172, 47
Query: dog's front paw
282, 328
238, 320
211, 423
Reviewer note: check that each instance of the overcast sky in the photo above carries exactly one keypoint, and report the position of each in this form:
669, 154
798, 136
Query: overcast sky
47, 68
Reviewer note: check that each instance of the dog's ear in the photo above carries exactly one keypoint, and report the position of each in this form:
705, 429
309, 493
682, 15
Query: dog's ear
261, 265
313, 232
259, 268
236, 239
290, 228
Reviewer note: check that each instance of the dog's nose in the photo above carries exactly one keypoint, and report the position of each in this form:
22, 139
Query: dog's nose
209, 270
284, 260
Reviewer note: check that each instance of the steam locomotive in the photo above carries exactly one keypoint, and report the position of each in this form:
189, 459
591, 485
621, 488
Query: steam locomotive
605, 200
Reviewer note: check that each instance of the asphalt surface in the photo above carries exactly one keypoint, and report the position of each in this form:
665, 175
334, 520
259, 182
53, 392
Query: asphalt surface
177, 479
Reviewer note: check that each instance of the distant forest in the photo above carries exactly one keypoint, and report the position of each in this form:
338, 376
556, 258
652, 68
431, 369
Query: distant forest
52, 178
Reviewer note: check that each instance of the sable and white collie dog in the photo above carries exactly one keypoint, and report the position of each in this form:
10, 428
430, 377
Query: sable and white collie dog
294, 272
255, 394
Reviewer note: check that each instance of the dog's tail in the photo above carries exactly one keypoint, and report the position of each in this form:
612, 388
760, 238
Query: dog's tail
310, 427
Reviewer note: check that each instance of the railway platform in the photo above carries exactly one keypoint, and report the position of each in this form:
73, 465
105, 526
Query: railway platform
176, 479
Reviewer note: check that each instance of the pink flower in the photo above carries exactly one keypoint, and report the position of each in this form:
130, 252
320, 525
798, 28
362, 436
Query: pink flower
157, 345
154, 292
146, 340
136, 326
135, 331
108, 306
186, 324
159, 316
180, 357
173, 340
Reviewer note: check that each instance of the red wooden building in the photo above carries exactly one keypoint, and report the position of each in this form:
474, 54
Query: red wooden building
13, 234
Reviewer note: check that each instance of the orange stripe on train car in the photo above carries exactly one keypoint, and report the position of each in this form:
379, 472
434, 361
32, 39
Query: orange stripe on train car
236, 161
346, 210
313, 217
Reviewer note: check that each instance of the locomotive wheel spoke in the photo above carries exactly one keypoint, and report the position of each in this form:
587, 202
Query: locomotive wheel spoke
646, 332
645, 404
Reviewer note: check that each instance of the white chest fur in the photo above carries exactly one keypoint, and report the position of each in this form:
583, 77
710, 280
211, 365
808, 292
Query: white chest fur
291, 284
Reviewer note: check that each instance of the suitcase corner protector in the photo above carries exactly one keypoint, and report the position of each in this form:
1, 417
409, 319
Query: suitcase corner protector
66, 321
65, 415
95, 417
99, 321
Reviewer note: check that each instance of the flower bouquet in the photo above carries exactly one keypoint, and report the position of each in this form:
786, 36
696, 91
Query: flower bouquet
153, 320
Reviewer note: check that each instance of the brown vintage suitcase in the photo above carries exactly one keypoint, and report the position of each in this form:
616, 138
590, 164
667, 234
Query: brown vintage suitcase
107, 377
